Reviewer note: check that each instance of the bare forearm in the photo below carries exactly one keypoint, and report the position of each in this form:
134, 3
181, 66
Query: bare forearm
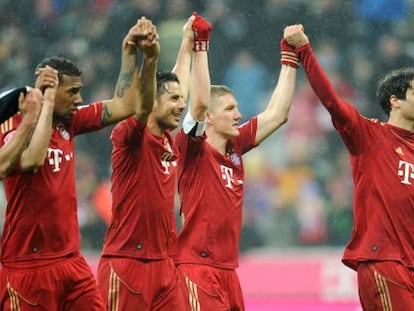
282, 97
35, 153
147, 89
126, 92
277, 111
11, 151
200, 86
183, 64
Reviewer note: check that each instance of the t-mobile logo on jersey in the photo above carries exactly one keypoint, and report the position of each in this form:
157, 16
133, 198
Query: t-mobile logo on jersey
227, 175
56, 157
406, 170
166, 165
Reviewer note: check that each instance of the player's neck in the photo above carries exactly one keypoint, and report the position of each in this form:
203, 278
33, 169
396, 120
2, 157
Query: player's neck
217, 141
154, 127
398, 121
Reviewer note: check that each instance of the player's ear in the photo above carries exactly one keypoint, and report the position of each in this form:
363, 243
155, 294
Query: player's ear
394, 102
209, 118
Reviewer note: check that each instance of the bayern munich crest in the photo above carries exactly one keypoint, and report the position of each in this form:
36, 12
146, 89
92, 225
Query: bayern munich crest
235, 159
64, 133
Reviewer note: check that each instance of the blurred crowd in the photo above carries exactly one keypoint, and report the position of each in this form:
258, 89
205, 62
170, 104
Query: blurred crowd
298, 183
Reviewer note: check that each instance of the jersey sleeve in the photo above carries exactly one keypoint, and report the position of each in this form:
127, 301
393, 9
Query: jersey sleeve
7, 132
127, 133
87, 119
188, 146
247, 138
345, 117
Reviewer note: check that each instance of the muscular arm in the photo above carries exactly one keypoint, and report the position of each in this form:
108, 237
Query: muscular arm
277, 110
200, 86
12, 150
35, 153
151, 50
183, 62
124, 102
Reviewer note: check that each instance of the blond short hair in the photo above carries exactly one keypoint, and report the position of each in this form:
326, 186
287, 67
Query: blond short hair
216, 91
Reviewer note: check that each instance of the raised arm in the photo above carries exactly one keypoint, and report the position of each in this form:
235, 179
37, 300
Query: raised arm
200, 74
34, 155
183, 62
124, 102
29, 106
340, 110
277, 110
150, 47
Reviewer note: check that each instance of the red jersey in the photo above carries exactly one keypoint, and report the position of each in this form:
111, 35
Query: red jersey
210, 186
143, 193
382, 160
41, 215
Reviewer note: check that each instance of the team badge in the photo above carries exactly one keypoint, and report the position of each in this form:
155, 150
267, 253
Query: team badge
235, 159
168, 156
64, 133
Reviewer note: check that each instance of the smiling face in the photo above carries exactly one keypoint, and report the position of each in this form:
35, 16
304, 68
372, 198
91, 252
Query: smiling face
68, 96
169, 106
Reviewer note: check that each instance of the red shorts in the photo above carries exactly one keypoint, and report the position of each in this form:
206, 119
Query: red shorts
66, 285
211, 288
130, 284
385, 285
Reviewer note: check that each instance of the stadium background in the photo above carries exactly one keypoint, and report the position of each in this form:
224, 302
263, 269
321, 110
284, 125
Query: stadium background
298, 198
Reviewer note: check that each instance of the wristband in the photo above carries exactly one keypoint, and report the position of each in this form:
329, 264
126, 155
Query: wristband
202, 29
288, 55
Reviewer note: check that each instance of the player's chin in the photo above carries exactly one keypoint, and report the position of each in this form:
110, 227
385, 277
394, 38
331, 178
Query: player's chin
70, 113
234, 133
67, 115
173, 124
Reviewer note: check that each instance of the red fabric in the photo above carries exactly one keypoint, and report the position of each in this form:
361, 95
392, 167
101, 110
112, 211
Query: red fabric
210, 288
211, 190
143, 191
38, 289
289, 56
129, 285
382, 160
385, 285
202, 29
41, 217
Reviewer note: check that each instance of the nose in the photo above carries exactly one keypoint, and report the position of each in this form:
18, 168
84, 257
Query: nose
238, 115
78, 99
182, 103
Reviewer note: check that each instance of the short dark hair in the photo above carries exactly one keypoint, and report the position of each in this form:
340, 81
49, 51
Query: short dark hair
395, 83
164, 77
62, 64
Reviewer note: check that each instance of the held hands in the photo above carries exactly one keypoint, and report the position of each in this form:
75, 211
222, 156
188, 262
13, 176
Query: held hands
144, 37
288, 55
46, 77
49, 94
295, 36
188, 33
202, 29
149, 41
